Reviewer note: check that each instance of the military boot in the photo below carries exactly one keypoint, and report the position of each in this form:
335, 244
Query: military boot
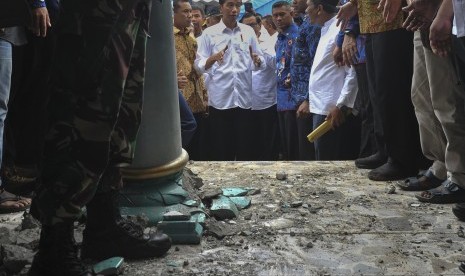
58, 253
108, 234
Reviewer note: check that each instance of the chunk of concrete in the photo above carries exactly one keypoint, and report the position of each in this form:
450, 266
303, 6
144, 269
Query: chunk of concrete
112, 266
182, 232
224, 208
281, 176
210, 194
14, 257
220, 229
175, 216
229, 192
241, 202
191, 203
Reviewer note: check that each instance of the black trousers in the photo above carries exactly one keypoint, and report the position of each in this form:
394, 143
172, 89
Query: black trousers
198, 146
230, 134
27, 120
293, 133
363, 105
265, 134
390, 69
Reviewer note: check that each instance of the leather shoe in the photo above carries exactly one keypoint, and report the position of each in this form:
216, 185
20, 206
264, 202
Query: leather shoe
459, 211
390, 171
371, 162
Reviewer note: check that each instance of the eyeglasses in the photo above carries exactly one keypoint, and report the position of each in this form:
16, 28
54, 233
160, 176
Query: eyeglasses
252, 24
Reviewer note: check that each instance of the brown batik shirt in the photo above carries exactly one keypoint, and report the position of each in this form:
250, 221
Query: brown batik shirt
194, 92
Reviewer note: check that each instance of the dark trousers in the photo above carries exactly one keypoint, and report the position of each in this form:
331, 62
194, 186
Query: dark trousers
188, 123
363, 105
328, 146
27, 120
459, 57
265, 134
198, 146
390, 68
230, 134
293, 133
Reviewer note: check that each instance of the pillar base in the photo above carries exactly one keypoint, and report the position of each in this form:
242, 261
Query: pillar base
153, 192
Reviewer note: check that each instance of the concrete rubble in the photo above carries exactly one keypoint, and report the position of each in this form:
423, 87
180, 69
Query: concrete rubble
323, 218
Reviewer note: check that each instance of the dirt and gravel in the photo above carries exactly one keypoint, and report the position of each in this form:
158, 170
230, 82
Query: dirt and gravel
306, 218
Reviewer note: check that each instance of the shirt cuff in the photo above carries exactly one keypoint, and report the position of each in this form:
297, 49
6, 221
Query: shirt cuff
38, 3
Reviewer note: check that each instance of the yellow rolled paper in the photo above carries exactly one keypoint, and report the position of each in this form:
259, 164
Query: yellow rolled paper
319, 131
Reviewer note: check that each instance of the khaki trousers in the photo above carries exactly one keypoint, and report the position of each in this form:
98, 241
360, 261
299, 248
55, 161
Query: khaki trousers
440, 111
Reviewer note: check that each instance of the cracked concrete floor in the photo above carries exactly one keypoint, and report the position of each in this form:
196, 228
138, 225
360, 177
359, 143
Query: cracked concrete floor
348, 225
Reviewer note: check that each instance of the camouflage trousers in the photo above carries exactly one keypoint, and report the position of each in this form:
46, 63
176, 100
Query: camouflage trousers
96, 104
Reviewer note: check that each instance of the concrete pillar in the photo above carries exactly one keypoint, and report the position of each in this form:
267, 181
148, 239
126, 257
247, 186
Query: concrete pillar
153, 182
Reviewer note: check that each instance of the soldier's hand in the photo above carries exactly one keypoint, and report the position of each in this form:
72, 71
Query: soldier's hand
40, 22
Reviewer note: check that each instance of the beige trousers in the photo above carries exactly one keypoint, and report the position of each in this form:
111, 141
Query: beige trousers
440, 111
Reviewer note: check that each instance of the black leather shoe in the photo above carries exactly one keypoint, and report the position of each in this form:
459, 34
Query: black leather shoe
459, 211
390, 171
58, 253
108, 234
371, 162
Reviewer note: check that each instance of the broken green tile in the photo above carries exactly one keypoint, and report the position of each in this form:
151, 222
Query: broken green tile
241, 202
175, 216
234, 192
112, 266
182, 232
174, 263
199, 217
224, 208
191, 203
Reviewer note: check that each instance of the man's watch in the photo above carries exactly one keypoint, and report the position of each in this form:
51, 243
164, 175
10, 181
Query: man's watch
350, 33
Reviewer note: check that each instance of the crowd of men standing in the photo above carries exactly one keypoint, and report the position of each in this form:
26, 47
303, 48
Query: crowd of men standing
396, 72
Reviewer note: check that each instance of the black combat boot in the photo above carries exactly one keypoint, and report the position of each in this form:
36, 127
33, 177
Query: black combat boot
58, 253
107, 234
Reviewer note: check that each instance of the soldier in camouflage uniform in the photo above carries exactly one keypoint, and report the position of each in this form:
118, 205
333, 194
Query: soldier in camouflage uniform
96, 112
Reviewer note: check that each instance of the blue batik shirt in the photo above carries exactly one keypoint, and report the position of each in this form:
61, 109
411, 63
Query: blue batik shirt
302, 60
284, 48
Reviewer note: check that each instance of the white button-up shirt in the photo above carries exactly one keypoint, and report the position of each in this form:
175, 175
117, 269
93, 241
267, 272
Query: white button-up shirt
330, 85
230, 81
264, 81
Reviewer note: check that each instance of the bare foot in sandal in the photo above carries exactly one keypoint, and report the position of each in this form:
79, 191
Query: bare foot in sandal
10, 203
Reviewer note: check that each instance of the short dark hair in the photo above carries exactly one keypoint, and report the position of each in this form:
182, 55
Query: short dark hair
248, 15
198, 8
221, 2
269, 19
280, 4
329, 6
177, 2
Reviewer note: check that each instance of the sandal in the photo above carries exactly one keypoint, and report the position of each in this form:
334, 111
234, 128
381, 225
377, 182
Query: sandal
447, 192
424, 181
17, 203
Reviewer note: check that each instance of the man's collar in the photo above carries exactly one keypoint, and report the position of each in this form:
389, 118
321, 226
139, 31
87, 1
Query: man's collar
186, 31
289, 29
223, 26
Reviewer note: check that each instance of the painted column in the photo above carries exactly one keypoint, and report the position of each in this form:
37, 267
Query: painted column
153, 182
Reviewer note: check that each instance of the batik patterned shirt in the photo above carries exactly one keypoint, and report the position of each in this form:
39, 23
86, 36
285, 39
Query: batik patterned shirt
302, 60
194, 92
284, 48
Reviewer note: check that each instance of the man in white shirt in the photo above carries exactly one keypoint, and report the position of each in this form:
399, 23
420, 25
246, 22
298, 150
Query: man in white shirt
228, 52
331, 88
264, 94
